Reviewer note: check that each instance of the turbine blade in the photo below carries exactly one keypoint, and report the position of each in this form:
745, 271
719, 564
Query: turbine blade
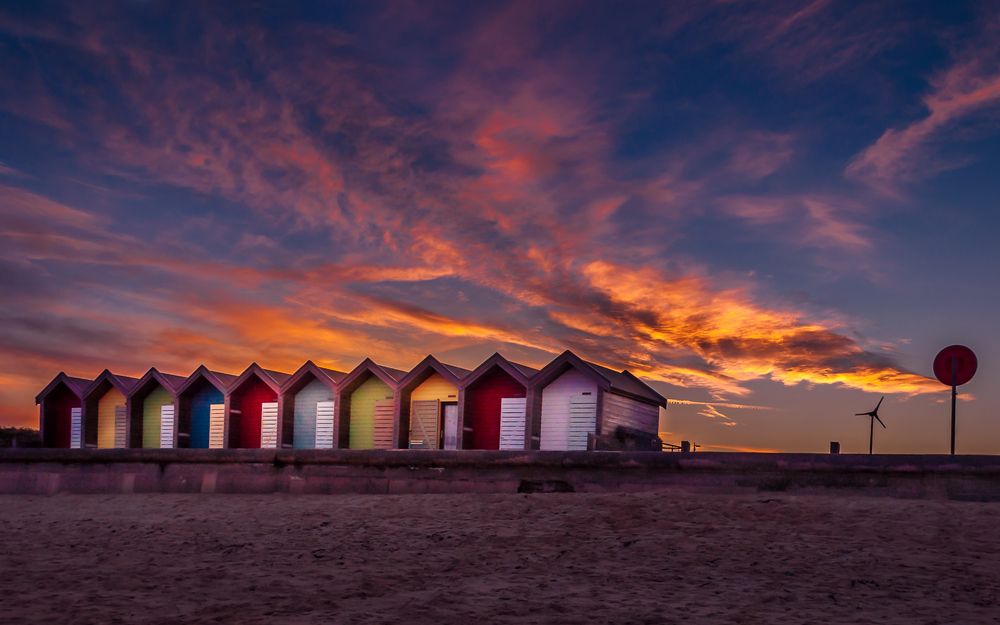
879, 403
860, 414
880, 423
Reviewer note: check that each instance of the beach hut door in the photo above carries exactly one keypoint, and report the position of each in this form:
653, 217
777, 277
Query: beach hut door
324, 424
76, 428
167, 426
424, 424
512, 411
451, 426
216, 426
384, 409
582, 420
120, 427
269, 425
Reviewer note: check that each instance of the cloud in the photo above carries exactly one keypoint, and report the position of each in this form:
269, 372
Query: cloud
969, 86
316, 201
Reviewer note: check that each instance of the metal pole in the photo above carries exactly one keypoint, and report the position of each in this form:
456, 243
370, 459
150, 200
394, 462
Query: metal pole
954, 394
871, 435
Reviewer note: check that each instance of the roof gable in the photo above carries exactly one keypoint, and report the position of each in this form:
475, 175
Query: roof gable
221, 381
122, 383
618, 382
366, 368
329, 377
168, 381
428, 366
273, 379
77, 386
522, 374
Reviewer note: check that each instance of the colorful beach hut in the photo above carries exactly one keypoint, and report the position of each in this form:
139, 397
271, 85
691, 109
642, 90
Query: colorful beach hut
571, 398
201, 410
428, 406
308, 407
367, 406
493, 405
152, 410
252, 408
60, 420
105, 424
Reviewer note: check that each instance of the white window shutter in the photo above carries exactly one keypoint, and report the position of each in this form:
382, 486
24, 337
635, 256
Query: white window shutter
324, 424
512, 416
269, 425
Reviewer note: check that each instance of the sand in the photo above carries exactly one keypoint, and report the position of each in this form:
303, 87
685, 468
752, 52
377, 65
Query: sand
659, 557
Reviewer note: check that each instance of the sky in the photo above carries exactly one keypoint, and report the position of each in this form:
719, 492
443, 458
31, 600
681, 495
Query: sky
774, 212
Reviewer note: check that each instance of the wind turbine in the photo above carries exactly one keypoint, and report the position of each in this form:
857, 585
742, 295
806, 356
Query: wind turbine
874, 417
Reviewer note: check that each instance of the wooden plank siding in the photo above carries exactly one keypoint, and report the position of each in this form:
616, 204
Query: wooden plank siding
107, 410
304, 413
512, 428
152, 408
556, 410
425, 420
384, 413
326, 412
624, 411
362, 411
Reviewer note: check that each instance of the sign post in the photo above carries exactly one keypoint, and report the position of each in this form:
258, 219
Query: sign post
954, 366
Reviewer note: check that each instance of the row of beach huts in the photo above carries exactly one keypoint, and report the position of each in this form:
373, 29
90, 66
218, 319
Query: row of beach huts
499, 405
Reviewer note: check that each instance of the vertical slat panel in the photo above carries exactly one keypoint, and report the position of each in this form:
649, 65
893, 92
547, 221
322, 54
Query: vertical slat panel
512, 415
120, 420
450, 428
76, 428
382, 437
325, 411
304, 412
167, 425
582, 421
269, 425
424, 424
556, 408
216, 426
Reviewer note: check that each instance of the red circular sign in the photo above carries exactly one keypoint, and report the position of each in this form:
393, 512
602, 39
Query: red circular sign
957, 360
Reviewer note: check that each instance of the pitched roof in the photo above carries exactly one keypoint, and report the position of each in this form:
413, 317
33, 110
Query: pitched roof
330, 377
273, 379
168, 381
122, 383
387, 374
77, 386
620, 382
221, 381
419, 372
521, 373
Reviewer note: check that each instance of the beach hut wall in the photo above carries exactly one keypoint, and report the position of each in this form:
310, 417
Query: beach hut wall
428, 406
492, 405
103, 412
60, 419
251, 403
199, 397
365, 407
309, 407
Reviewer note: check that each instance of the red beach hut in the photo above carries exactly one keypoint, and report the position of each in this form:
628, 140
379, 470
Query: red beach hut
59, 411
252, 408
492, 405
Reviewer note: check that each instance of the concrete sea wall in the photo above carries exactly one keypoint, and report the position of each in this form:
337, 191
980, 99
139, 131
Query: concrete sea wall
52, 471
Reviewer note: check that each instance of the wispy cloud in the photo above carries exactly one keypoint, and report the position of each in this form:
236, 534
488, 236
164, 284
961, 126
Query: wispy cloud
969, 86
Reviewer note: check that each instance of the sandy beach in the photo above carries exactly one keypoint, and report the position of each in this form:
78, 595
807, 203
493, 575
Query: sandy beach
658, 557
